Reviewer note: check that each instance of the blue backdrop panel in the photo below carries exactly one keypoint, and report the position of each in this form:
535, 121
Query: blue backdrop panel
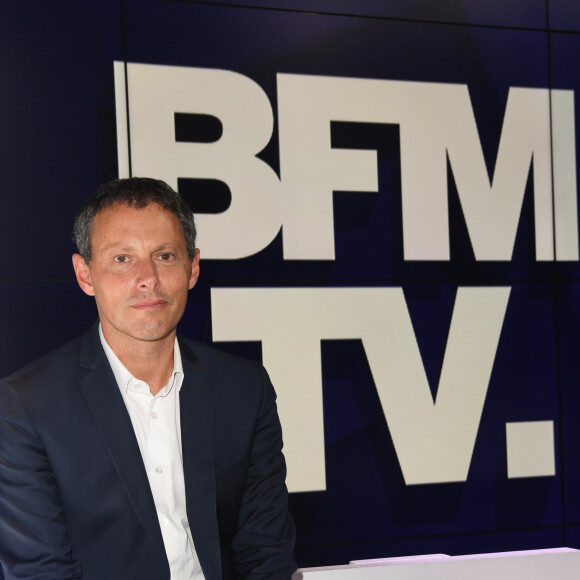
38, 316
57, 142
573, 536
564, 15
517, 13
569, 343
564, 66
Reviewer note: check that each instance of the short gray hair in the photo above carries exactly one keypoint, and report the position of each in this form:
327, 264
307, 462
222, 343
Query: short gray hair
135, 192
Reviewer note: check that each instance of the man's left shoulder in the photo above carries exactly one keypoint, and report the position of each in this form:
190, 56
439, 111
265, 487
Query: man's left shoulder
225, 370
207, 354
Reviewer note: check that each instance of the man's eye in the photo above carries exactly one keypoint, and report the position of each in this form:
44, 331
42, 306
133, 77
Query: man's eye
166, 257
121, 259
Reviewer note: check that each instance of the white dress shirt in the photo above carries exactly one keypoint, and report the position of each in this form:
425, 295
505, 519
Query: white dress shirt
157, 426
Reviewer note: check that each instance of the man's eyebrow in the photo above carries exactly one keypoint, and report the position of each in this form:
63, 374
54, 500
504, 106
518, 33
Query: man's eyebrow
117, 248
164, 247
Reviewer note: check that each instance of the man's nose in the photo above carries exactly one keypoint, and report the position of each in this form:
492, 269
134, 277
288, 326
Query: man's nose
147, 274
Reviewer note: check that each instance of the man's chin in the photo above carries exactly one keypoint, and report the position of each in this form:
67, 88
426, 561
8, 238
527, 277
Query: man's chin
154, 335
152, 331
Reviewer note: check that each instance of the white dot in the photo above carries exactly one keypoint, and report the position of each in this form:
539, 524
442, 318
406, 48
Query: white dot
154, 415
159, 469
530, 449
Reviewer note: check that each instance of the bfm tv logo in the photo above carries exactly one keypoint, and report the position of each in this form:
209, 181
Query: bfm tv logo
434, 440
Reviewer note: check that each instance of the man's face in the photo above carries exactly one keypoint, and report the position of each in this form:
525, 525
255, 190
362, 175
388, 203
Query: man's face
139, 273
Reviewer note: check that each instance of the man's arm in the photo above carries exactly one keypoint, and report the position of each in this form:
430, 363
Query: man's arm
33, 538
262, 547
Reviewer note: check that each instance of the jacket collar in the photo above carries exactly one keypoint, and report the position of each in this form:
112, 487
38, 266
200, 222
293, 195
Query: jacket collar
197, 435
105, 402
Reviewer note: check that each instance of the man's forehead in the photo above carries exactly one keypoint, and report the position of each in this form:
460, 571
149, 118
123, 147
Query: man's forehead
120, 220
126, 211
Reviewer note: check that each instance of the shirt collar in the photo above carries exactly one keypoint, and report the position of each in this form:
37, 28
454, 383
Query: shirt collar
123, 376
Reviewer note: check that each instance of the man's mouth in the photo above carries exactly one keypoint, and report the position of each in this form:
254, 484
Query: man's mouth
149, 304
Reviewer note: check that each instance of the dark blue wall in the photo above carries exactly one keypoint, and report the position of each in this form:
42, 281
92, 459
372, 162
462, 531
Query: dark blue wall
58, 143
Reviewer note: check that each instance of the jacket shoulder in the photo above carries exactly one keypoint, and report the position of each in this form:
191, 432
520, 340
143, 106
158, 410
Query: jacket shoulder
51, 365
215, 358
231, 377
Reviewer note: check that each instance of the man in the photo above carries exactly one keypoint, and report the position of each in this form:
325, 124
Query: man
129, 453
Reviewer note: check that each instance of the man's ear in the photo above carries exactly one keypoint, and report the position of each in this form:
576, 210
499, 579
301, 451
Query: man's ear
83, 274
194, 269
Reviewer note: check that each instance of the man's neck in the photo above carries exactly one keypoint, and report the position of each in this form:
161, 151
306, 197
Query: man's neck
148, 361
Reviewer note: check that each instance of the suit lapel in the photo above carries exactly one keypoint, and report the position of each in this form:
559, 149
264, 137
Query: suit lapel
197, 432
106, 404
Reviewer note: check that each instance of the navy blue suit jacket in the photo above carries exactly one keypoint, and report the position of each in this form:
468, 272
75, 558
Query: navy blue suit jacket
75, 501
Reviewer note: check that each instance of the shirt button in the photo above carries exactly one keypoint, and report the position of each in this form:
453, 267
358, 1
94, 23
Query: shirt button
154, 415
159, 469
164, 522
